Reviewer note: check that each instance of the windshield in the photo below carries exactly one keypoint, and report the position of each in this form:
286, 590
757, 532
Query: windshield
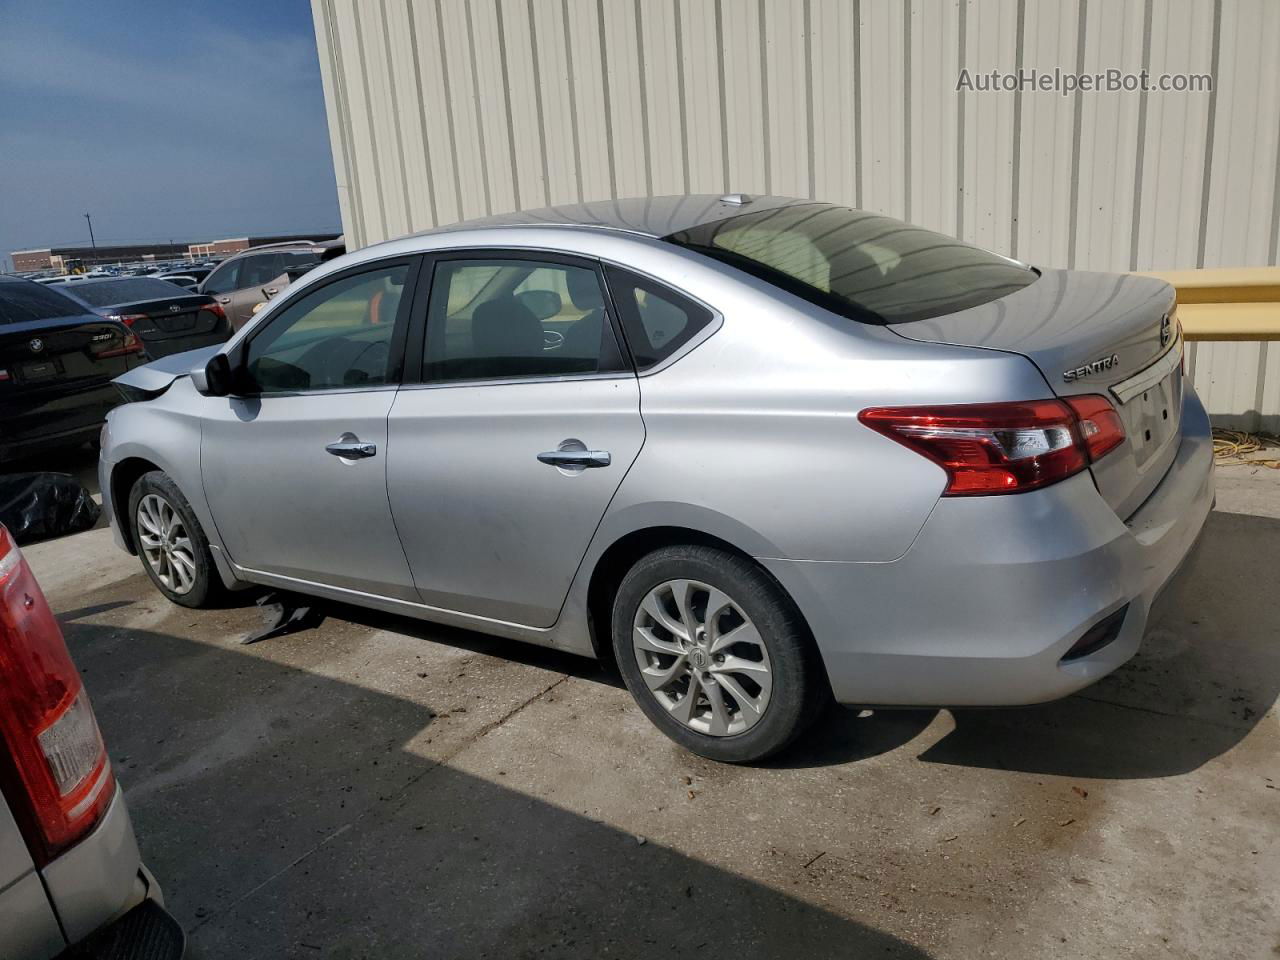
860, 265
23, 302
110, 292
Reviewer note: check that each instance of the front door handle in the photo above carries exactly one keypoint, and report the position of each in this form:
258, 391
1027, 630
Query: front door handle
576, 458
352, 449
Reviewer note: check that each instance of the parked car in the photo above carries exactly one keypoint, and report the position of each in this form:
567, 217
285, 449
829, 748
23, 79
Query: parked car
57, 361
762, 452
70, 872
244, 282
182, 274
179, 279
168, 318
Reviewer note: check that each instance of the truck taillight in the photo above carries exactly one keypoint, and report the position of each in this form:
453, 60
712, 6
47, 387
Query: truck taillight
990, 448
56, 775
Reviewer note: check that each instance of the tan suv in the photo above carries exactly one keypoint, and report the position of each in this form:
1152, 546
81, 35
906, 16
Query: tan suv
256, 275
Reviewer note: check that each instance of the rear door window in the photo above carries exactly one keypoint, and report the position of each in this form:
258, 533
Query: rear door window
498, 319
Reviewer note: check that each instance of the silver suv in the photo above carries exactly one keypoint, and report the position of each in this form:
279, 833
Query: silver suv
70, 873
242, 283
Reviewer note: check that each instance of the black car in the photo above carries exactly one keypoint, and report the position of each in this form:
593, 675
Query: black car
57, 361
168, 318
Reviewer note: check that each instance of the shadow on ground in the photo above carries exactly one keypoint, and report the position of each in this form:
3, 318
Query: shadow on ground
1207, 671
286, 817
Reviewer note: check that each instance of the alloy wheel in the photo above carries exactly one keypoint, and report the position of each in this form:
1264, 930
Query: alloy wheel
702, 658
165, 544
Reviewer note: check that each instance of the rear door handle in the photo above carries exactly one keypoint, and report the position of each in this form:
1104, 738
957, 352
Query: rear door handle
576, 458
352, 449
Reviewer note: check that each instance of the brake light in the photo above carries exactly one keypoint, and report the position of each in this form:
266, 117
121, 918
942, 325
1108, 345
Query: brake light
1100, 426
216, 309
128, 319
131, 344
57, 777
990, 448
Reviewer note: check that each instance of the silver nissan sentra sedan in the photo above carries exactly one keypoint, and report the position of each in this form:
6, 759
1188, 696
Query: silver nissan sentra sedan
760, 451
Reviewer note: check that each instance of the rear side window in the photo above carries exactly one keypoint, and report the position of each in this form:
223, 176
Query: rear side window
657, 321
23, 302
860, 265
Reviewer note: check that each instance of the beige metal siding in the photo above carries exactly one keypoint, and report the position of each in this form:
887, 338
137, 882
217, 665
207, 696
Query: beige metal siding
442, 110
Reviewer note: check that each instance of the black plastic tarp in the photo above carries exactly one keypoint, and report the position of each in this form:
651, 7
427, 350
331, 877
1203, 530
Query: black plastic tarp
36, 506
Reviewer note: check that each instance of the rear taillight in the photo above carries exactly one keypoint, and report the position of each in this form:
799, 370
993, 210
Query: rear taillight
1100, 426
128, 319
130, 344
56, 776
216, 309
989, 448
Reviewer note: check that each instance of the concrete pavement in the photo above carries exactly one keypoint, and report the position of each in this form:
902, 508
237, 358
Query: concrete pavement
381, 788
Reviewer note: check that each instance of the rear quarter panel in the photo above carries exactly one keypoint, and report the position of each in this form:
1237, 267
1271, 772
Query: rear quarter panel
755, 433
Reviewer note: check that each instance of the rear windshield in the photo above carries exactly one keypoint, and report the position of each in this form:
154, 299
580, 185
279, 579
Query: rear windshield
107, 293
860, 265
23, 301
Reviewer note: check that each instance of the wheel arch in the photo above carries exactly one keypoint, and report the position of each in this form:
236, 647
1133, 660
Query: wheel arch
624, 551
124, 475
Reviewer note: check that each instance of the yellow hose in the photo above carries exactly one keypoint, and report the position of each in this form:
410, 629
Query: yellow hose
1235, 447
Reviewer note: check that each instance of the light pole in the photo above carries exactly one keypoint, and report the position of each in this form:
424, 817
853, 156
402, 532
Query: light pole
91, 240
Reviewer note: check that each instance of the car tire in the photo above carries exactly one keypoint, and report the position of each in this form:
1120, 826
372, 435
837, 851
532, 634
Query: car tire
770, 682
171, 543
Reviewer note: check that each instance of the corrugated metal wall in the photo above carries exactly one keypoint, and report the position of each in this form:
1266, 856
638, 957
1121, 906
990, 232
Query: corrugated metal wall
441, 110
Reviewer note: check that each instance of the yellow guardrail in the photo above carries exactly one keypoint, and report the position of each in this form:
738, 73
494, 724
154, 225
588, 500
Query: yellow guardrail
1231, 303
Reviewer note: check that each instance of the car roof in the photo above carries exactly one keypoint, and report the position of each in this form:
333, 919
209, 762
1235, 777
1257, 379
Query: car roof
647, 216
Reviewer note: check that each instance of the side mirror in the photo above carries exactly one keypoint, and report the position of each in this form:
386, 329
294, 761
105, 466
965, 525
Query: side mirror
214, 379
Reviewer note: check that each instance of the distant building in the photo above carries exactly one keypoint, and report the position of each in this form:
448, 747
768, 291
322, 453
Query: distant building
71, 258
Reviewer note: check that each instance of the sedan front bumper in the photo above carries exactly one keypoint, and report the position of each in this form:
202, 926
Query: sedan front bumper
995, 590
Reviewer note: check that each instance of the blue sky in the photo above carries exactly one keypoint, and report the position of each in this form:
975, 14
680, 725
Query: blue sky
163, 120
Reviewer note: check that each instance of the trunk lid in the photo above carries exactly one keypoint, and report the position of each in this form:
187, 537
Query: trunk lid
55, 375
1092, 333
47, 353
168, 317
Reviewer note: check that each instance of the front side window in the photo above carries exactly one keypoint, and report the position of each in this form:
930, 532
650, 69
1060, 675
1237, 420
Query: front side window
256, 271
503, 318
860, 265
223, 280
336, 337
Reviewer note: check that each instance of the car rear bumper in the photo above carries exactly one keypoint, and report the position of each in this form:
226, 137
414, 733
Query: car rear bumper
54, 416
995, 590
101, 878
